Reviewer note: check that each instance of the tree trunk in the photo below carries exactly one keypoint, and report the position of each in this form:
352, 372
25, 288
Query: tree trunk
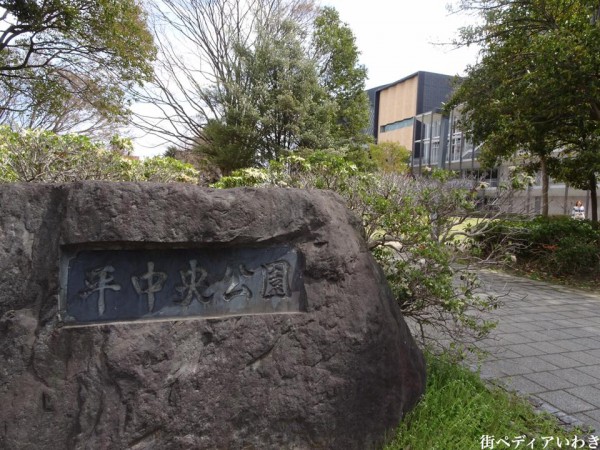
545, 185
594, 197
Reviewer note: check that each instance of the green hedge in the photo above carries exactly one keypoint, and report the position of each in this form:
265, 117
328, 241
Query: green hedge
558, 245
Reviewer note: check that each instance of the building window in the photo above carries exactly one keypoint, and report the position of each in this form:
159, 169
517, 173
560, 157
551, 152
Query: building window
437, 127
435, 151
396, 125
489, 177
417, 151
456, 145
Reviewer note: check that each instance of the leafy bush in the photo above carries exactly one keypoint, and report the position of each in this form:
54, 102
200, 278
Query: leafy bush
163, 169
551, 230
410, 226
558, 245
390, 156
574, 257
45, 157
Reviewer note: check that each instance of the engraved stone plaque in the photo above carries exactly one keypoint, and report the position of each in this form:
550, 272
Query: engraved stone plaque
123, 285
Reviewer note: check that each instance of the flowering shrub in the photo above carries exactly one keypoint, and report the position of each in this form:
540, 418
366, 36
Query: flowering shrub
45, 157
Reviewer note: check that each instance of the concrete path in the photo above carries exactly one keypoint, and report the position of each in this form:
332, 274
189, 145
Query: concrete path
547, 346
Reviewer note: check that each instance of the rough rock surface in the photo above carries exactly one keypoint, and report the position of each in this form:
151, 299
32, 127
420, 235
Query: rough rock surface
339, 375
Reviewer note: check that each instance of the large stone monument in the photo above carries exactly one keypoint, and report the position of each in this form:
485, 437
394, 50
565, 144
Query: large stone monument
148, 316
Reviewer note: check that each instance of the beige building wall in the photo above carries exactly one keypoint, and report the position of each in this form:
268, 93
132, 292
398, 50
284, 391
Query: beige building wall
398, 102
403, 136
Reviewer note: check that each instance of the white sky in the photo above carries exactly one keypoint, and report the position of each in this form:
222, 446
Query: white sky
400, 37
396, 38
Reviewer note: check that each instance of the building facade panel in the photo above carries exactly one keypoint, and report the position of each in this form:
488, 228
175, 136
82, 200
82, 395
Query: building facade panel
398, 102
436, 90
402, 136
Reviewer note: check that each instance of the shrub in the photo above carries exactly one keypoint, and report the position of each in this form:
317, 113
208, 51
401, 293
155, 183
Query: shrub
559, 245
45, 157
574, 257
390, 157
410, 228
163, 169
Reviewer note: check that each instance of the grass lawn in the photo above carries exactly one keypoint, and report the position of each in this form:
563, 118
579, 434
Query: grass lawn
459, 411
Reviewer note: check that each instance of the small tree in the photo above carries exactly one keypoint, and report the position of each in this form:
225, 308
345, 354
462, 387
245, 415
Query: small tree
390, 157
281, 106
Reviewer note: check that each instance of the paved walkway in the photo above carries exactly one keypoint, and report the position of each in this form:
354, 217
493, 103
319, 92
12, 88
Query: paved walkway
547, 346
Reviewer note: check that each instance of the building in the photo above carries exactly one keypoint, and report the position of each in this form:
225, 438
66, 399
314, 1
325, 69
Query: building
394, 106
410, 112
441, 143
